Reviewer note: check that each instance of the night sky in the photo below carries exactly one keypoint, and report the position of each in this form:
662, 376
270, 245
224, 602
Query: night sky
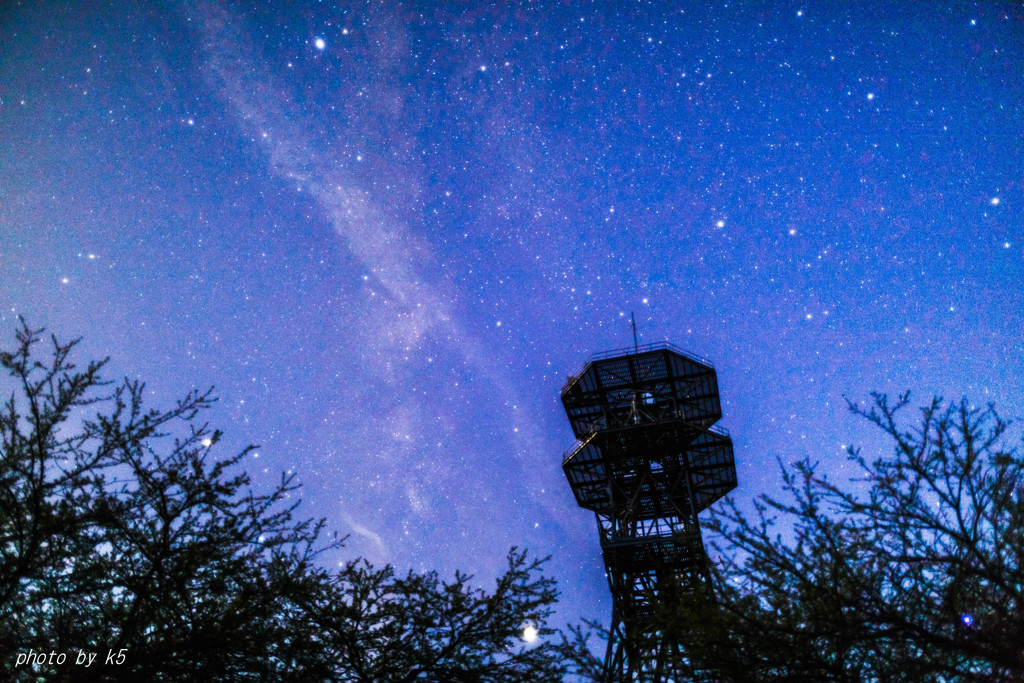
388, 232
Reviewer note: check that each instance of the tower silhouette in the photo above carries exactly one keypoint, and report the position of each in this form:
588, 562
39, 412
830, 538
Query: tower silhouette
647, 461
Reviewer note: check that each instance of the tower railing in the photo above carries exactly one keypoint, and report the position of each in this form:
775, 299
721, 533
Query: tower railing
634, 351
721, 431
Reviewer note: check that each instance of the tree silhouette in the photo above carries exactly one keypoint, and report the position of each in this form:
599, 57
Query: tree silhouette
380, 627
911, 572
124, 536
119, 532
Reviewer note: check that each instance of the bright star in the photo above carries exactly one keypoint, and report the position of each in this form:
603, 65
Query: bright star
320, 44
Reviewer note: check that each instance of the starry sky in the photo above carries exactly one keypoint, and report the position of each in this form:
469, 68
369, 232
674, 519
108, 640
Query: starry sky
387, 233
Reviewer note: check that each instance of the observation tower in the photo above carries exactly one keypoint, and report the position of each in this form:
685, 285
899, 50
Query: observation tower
648, 459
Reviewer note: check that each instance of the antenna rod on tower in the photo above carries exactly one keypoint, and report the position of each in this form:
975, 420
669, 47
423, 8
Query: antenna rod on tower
636, 346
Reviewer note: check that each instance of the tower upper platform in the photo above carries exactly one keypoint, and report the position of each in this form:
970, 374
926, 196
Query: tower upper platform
652, 383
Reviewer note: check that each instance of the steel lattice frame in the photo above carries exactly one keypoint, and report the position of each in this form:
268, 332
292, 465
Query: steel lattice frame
647, 462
